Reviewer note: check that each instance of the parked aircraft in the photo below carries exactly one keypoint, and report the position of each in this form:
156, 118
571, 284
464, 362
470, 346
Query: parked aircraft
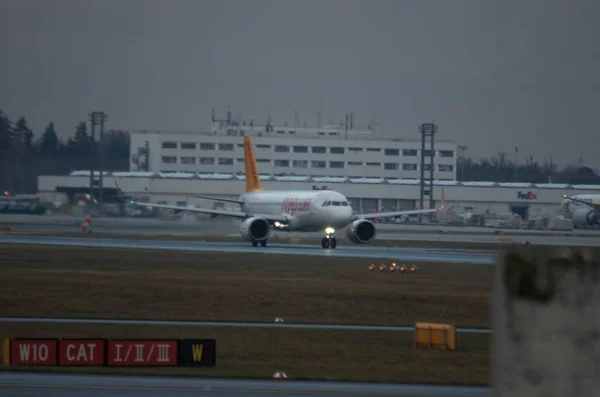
298, 211
583, 208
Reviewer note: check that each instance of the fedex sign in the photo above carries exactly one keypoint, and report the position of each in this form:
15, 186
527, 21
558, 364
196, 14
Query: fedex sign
526, 196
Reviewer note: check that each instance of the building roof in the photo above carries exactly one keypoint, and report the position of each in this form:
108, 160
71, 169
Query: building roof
322, 179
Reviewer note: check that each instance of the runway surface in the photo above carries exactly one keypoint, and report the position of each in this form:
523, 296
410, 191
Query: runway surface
39, 384
201, 224
229, 324
406, 254
221, 226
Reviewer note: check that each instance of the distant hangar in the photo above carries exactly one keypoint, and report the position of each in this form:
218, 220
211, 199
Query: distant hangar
365, 194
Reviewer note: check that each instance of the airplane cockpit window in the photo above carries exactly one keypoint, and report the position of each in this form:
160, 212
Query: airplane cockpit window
336, 203
344, 203
326, 203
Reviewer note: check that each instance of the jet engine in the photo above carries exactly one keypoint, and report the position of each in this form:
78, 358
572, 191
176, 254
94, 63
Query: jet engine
255, 229
361, 231
585, 217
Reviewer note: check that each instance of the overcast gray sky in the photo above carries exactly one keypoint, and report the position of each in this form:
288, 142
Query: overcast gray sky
492, 74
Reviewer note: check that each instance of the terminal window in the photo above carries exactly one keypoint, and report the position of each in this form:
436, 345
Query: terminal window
187, 160
300, 163
169, 159
169, 145
207, 160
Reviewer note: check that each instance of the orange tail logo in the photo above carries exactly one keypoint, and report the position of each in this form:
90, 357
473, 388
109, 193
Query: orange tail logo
252, 178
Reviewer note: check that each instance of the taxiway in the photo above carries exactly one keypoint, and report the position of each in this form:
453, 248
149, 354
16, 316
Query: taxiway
39, 384
373, 252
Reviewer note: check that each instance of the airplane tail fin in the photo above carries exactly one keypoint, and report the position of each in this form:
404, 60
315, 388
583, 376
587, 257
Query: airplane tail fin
252, 177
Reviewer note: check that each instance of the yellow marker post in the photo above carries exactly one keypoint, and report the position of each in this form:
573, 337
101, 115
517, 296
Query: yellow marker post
435, 335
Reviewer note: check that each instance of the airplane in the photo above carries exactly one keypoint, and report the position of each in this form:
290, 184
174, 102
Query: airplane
294, 211
584, 209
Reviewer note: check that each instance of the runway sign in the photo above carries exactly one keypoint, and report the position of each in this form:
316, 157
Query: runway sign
110, 352
142, 353
434, 335
76, 352
198, 352
33, 351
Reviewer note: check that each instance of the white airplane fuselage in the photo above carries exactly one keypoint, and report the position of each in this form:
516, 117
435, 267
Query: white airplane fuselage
583, 210
572, 206
308, 210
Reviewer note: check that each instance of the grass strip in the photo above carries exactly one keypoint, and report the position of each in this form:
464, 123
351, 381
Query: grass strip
302, 354
75, 282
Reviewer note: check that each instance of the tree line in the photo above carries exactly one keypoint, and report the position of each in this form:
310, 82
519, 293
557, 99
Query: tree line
25, 154
499, 169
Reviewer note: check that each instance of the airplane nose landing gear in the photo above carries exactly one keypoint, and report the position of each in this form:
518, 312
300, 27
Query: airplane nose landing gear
329, 241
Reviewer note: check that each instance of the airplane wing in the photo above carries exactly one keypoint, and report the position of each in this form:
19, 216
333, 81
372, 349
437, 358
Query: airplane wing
233, 214
395, 213
594, 206
400, 213
219, 199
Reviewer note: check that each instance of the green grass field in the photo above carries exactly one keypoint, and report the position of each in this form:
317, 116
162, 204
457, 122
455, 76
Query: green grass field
107, 283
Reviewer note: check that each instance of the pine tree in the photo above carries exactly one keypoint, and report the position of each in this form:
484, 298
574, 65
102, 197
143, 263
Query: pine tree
5, 131
48, 143
79, 145
22, 136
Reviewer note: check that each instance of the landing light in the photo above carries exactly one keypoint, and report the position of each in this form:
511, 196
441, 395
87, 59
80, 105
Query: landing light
329, 230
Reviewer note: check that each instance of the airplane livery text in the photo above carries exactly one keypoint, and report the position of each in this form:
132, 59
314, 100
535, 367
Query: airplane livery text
294, 204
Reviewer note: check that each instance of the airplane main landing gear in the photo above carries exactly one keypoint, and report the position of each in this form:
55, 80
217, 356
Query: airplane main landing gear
329, 241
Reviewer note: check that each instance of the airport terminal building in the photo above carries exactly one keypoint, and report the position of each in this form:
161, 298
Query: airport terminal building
329, 150
375, 174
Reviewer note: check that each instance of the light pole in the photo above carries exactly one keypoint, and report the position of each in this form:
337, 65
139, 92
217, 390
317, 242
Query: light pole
462, 149
516, 162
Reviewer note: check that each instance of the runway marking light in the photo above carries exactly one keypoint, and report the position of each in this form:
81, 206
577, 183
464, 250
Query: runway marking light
329, 230
372, 267
413, 269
